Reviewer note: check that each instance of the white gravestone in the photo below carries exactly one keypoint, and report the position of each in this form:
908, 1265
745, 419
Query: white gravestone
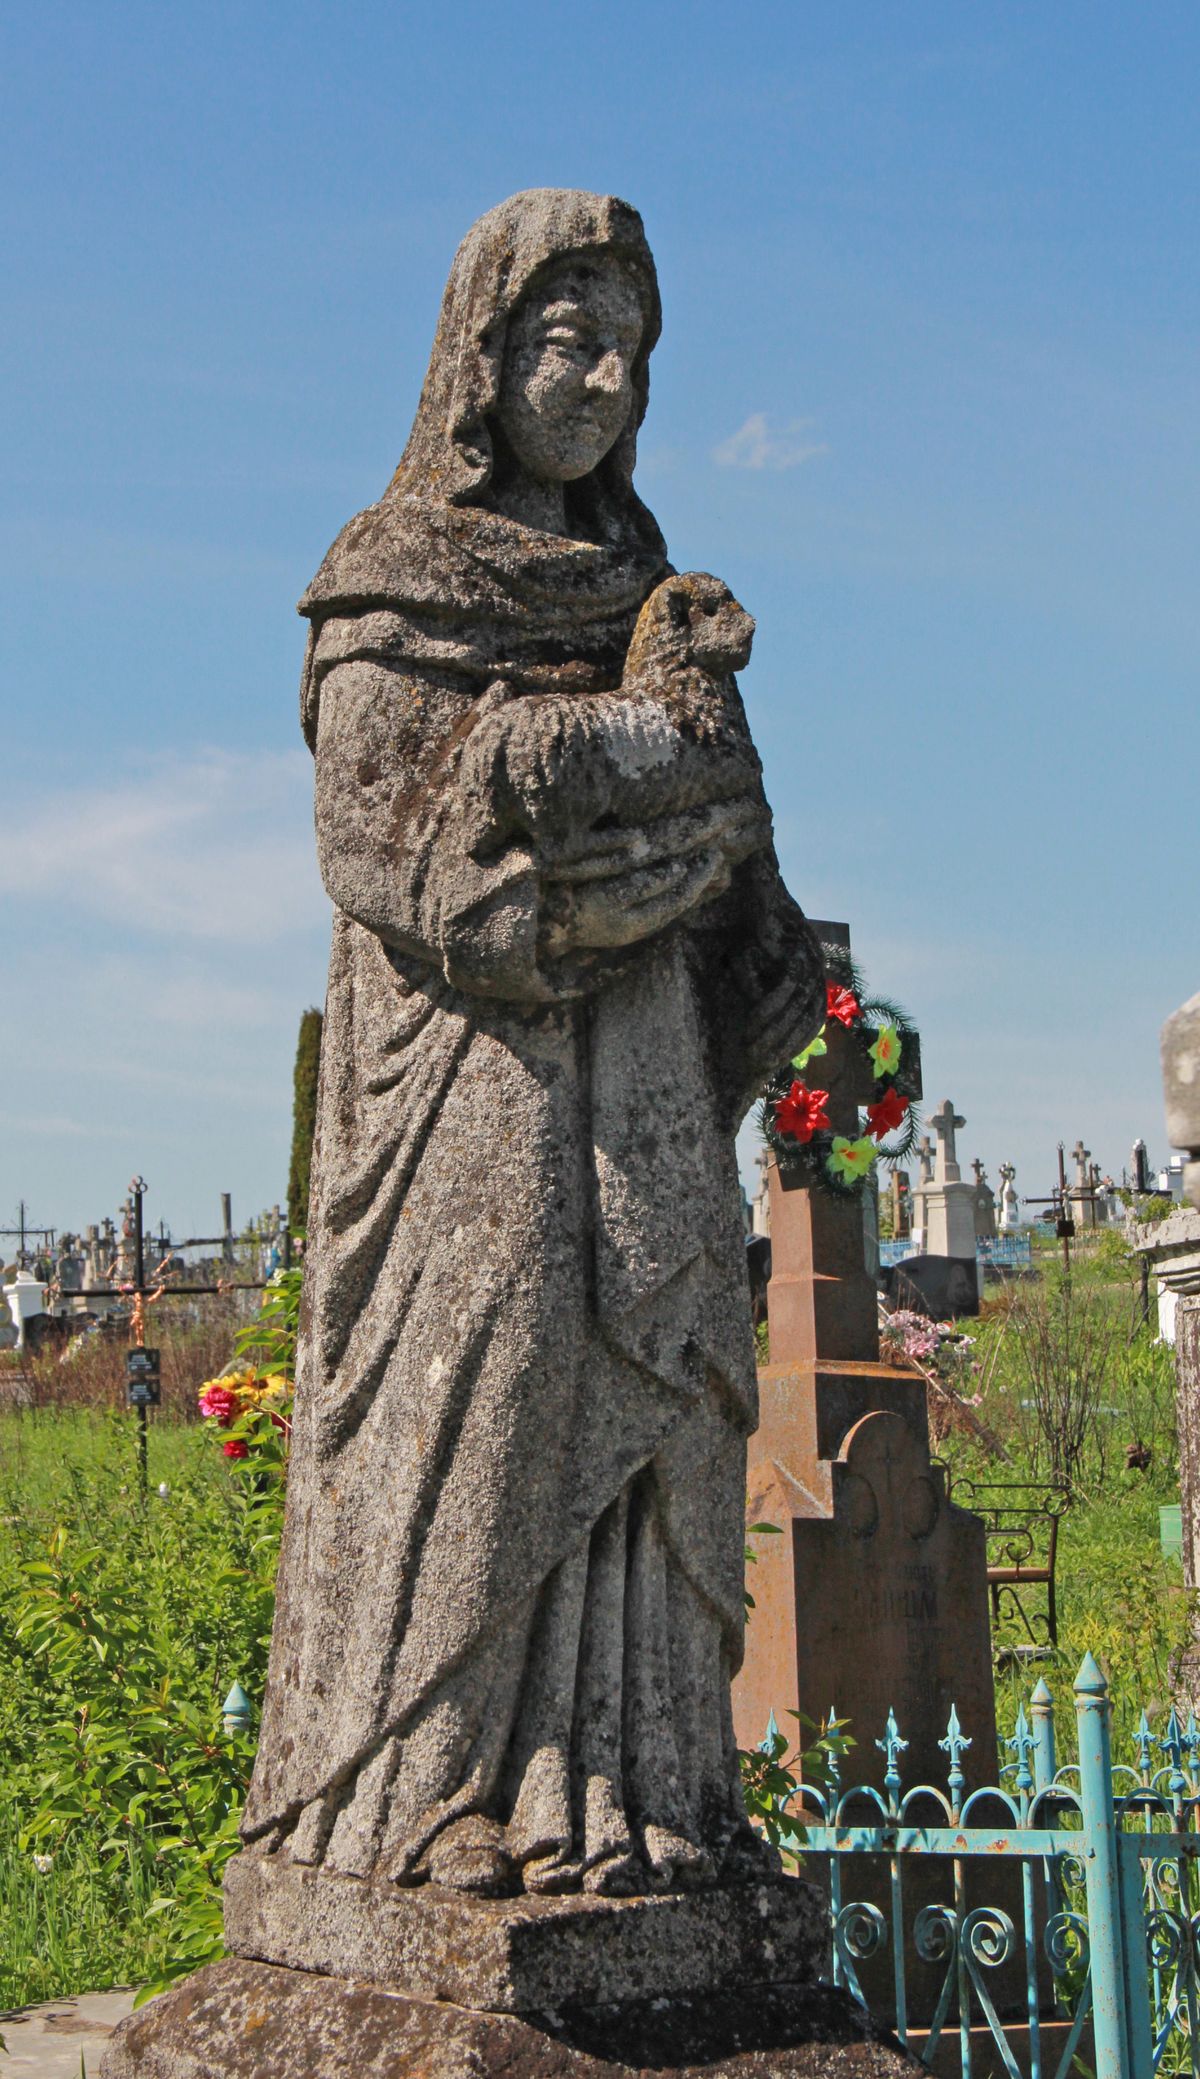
949, 1199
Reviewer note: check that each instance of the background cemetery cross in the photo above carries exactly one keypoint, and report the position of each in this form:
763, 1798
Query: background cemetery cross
944, 1122
949, 1200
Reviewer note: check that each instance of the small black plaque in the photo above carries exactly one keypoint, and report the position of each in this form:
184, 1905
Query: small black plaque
143, 1378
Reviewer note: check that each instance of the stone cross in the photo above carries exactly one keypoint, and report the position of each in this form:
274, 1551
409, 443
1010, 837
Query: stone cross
980, 1172
1081, 1155
944, 1123
925, 1158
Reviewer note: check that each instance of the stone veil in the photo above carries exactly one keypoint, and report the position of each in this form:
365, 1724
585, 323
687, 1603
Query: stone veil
510, 1594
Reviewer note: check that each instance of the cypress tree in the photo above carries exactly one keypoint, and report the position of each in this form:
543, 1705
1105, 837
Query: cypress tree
304, 1119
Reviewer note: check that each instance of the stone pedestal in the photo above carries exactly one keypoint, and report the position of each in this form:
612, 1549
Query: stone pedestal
950, 1220
413, 1984
240, 2020
521, 1955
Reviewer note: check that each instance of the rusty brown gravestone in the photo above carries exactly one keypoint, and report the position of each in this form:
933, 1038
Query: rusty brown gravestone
874, 1598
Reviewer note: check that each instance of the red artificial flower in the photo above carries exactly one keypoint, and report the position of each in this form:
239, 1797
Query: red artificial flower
841, 1004
221, 1402
885, 1116
237, 1447
801, 1113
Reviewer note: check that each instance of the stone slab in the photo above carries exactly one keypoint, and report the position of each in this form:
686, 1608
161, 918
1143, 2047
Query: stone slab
522, 1954
242, 2020
49, 2040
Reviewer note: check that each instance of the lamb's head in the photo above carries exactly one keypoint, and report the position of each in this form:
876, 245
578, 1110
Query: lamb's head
691, 619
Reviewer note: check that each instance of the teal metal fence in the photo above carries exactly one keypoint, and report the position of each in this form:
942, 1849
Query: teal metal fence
1108, 1935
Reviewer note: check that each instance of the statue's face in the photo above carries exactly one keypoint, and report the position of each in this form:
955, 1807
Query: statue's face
566, 392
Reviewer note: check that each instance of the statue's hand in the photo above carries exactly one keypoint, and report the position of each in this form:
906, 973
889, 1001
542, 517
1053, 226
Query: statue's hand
649, 878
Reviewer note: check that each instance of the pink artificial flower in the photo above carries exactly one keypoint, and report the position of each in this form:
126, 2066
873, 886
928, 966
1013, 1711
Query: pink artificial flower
221, 1402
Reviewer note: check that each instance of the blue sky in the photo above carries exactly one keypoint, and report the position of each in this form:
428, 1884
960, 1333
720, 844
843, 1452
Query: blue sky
928, 397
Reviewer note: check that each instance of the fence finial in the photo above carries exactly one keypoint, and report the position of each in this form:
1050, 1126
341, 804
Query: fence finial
1172, 1746
1090, 1680
893, 1747
955, 1745
1022, 1744
235, 1711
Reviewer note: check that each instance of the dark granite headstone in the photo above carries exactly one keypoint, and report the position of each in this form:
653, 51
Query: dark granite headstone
946, 1288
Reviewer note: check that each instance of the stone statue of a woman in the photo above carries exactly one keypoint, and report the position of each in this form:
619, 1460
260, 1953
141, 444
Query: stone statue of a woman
510, 1598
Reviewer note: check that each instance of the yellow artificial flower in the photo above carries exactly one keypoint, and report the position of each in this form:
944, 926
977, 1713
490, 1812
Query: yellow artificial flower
852, 1159
886, 1051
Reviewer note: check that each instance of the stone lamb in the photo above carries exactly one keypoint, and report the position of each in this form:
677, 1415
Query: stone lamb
673, 738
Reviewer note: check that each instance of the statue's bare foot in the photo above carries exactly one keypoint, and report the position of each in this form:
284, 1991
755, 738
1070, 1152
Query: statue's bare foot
470, 1855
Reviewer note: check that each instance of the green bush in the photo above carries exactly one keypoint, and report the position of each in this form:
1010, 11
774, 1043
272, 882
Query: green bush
125, 1618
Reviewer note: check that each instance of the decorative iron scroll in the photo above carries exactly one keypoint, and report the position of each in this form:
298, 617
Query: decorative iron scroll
1108, 1858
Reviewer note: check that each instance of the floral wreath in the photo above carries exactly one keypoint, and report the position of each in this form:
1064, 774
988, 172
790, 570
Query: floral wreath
793, 1118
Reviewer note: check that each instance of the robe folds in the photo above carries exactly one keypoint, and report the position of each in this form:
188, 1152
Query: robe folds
511, 1585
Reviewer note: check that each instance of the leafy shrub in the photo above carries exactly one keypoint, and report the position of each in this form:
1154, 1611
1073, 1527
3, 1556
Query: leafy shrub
126, 1627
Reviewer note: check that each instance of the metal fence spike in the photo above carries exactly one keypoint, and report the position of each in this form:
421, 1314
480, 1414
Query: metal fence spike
235, 1711
1090, 1679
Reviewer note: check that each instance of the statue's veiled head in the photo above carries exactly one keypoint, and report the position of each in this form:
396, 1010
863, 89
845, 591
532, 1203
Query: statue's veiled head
566, 383
541, 359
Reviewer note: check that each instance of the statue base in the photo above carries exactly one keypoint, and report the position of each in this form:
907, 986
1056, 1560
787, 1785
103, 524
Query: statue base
242, 2020
523, 1955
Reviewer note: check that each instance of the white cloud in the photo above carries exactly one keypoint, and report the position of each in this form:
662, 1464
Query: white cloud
756, 446
213, 847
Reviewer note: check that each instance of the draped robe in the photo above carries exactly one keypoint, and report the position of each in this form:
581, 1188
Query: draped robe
511, 1582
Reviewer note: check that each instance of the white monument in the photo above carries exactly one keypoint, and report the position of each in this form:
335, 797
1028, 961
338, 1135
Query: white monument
26, 1296
1010, 1205
949, 1200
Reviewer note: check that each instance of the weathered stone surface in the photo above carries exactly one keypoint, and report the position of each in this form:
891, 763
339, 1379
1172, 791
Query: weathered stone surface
510, 1593
521, 1954
254, 2021
1181, 1088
